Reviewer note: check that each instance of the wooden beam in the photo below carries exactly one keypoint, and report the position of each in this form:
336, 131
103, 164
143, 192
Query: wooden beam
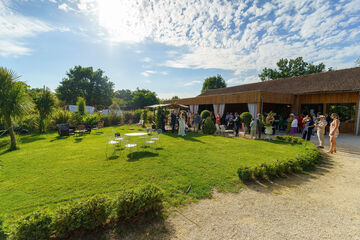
357, 115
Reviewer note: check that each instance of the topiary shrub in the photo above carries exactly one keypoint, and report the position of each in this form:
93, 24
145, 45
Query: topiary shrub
92, 119
205, 114
83, 215
208, 126
36, 225
159, 118
137, 203
245, 173
246, 119
144, 117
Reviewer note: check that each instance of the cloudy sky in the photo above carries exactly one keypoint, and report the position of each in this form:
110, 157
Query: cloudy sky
171, 46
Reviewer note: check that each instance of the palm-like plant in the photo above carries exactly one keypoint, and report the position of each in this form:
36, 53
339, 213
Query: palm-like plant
45, 103
14, 100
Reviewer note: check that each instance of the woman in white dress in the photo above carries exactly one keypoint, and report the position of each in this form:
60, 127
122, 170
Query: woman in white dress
182, 125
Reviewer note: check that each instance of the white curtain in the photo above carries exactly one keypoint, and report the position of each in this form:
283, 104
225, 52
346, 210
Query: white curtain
192, 108
196, 108
215, 109
221, 109
253, 109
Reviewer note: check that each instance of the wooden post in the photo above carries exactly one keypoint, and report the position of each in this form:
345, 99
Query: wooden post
357, 115
259, 107
218, 105
324, 109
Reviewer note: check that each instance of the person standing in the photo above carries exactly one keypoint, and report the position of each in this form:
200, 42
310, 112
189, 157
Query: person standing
334, 132
309, 126
163, 121
197, 120
173, 121
253, 129
294, 127
181, 131
236, 124
320, 128
259, 125
218, 123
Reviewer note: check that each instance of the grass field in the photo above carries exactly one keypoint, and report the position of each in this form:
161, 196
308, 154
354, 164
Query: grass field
48, 170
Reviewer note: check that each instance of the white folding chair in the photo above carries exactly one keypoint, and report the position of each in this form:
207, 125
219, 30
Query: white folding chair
156, 137
110, 145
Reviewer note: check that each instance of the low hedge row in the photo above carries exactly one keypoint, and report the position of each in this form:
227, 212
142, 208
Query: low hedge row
301, 162
89, 214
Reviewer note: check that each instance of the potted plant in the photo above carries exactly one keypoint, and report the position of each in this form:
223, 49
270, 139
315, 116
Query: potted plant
268, 122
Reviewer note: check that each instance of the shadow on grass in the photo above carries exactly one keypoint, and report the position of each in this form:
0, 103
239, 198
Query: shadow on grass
135, 156
31, 138
59, 138
190, 136
152, 228
98, 133
293, 179
78, 139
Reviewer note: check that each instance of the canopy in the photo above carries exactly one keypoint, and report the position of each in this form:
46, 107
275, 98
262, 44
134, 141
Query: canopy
169, 105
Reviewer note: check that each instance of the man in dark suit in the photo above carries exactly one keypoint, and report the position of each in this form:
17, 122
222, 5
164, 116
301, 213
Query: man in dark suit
173, 121
236, 124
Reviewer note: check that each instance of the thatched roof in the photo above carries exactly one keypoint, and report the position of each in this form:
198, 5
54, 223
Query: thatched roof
345, 80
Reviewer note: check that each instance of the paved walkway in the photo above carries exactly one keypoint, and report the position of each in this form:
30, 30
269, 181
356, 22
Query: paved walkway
322, 205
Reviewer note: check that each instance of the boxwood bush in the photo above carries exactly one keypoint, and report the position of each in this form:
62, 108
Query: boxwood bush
303, 161
205, 114
89, 214
208, 126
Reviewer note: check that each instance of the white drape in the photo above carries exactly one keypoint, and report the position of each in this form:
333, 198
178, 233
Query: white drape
221, 109
196, 108
215, 109
253, 109
192, 108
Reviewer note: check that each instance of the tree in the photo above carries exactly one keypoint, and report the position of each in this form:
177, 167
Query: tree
44, 103
175, 98
142, 98
290, 68
81, 104
84, 82
15, 102
213, 82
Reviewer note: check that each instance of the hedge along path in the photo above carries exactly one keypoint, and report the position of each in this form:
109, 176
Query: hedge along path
48, 170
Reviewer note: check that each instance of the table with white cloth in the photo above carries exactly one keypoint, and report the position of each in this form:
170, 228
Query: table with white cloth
137, 134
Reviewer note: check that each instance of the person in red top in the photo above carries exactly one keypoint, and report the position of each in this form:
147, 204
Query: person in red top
301, 123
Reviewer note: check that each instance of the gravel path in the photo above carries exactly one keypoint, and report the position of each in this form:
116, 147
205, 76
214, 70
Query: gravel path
324, 204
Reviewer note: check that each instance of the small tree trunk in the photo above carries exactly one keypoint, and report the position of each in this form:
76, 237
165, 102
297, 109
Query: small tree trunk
12, 134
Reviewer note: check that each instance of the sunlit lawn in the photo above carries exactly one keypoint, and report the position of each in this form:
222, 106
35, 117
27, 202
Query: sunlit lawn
48, 170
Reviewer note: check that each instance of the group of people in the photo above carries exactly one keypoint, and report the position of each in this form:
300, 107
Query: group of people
310, 124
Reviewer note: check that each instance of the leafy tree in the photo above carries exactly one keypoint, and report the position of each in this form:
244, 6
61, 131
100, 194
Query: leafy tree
142, 98
175, 98
84, 82
15, 102
44, 103
81, 104
213, 82
290, 68
124, 94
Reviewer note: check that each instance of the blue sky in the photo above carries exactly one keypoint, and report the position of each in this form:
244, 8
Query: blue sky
171, 46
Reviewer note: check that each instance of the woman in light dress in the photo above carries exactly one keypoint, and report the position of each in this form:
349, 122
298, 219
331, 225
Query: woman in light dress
334, 132
181, 125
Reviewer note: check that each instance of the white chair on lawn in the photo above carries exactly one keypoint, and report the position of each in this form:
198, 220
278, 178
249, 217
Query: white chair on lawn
117, 137
150, 142
110, 145
222, 129
130, 145
156, 136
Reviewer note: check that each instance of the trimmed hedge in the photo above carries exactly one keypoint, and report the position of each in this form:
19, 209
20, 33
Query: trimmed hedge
208, 126
205, 114
89, 214
301, 162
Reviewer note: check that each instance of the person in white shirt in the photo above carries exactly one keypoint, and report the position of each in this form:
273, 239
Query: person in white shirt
320, 128
294, 126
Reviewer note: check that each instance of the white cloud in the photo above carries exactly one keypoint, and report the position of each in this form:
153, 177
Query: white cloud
164, 73
64, 7
240, 36
192, 83
148, 73
14, 28
147, 60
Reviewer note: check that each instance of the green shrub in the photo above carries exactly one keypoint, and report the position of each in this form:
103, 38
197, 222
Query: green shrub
137, 203
29, 123
246, 119
35, 226
205, 114
289, 139
137, 115
208, 126
245, 173
83, 215
81, 106
92, 119
61, 116
3, 235
159, 118
150, 117
106, 118
128, 117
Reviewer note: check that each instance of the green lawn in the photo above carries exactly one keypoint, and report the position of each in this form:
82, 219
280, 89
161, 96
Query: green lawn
48, 170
